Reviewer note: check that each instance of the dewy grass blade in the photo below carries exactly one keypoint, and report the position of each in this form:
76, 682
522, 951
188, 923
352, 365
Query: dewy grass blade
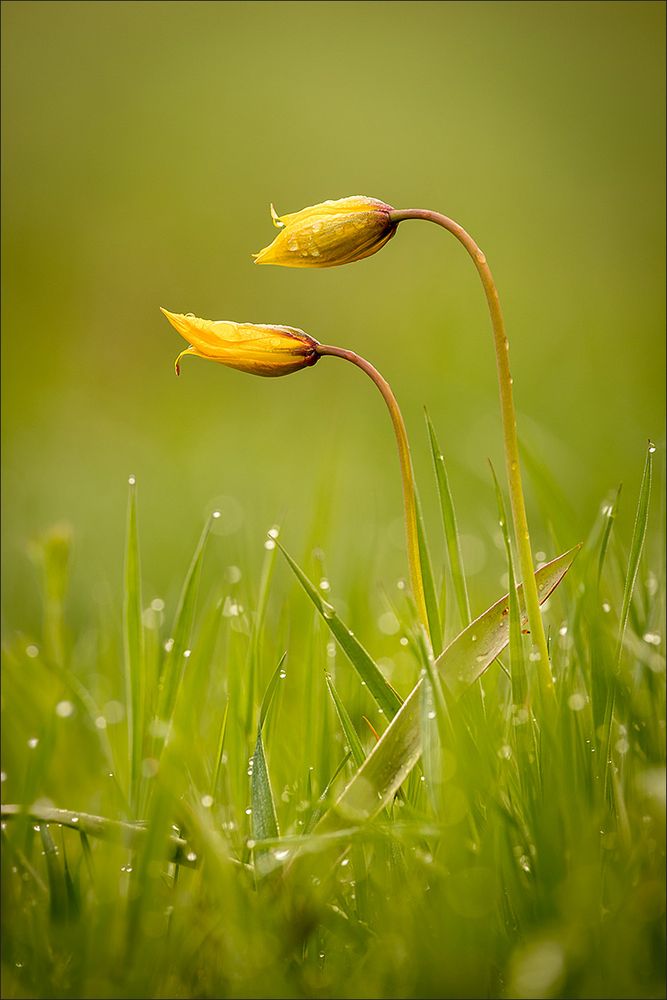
351, 735
450, 527
517, 662
460, 665
258, 622
610, 512
385, 696
430, 594
131, 835
133, 643
173, 665
220, 751
636, 546
264, 822
57, 889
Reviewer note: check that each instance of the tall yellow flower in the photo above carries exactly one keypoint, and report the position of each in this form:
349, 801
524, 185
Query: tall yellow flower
332, 233
253, 348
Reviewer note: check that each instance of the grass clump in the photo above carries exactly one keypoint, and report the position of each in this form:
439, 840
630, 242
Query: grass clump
266, 812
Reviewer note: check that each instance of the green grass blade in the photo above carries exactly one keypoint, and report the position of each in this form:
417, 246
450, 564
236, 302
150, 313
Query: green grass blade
610, 516
351, 735
264, 821
380, 688
57, 890
430, 593
636, 546
174, 663
450, 527
133, 647
258, 623
518, 675
220, 750
131, 835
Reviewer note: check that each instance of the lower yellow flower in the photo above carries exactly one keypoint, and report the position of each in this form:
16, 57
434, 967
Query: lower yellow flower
253, 348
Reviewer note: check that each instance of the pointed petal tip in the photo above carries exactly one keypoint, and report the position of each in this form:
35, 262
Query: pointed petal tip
275, 218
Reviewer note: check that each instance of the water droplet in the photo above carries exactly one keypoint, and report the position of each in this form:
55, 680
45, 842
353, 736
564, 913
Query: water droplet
562, 630
505, 751
622, 746
74, 819
187, 653
32, 651
100, 722
282, 675
431, 715
274, 532
248, 811
651, 447
127, 869
169, 645
606, 608
207, 801
131, 480
345, 862
191, 856
400, 584
577, 701
32, 742
216, 514
325, 585
403, 640
473, 638
280, 855
3, 776
269, 544
653, 638
36, 827
64, 709
524, 863
535, 656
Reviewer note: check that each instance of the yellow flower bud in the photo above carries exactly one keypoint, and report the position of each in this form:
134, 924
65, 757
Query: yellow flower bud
332, 233
257, 349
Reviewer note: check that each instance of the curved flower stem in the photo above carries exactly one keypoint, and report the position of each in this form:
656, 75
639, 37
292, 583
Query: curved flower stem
509, 431
409, 497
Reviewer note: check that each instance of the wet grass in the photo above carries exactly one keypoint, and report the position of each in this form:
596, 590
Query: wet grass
242, 796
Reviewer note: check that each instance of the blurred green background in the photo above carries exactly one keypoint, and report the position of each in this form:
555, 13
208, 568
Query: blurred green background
142, 145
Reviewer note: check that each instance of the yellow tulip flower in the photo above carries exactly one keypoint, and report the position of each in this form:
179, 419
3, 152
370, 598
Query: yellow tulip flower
254, 348
329, 234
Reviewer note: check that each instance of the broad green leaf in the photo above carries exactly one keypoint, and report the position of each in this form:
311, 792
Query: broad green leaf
636, 545
380, 688
460, 665
468, 656
450, 527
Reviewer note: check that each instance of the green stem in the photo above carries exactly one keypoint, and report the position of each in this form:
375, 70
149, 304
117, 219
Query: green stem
509, 431
409, 496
